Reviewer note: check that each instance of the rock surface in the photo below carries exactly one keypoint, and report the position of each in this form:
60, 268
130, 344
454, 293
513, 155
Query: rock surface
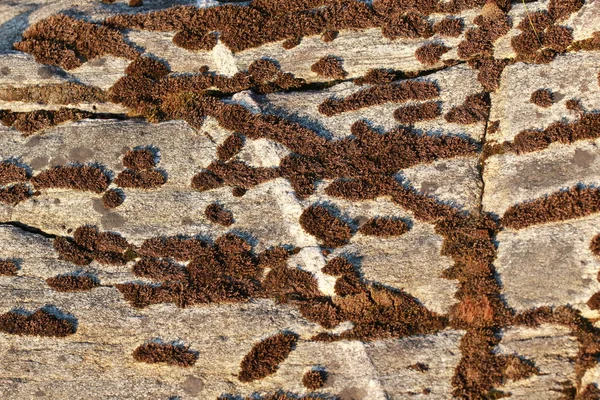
457, 303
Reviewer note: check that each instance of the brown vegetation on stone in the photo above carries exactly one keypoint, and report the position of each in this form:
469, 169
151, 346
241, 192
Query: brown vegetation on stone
76, 177
230, 147
561, 9
57, 93
542, 98
381, 94
11, 173
71, 283
171, 354
265, 356
90, 244
68, 42
329, 67
475, 108
159, 269
140, 179
576, 202
595, 245
139, 160
594, 301
30, 122
319, 222
217, 214
526, 141
112, 198
430, 54
375, 76
490, 71
451, 27
314, 379
384, 227
8, 268
14, 194
39, 323
589, 44
479, 41
417, 112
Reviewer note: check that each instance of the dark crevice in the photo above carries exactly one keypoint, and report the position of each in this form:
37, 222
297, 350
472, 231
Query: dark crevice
28, 228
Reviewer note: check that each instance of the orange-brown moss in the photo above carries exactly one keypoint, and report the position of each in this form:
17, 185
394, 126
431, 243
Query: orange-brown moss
475, 108
265, 356
375, 76
216, 213
431, 54
417, 112
57, 93
112, 198
38, 323
314, 379
168, 353
76, 177
139, 160
67, 42
72, 283
451, 27
30, 122
381, 94
8, 268
329, 67
542, 98
576, 202
319, 222
140, 179
384, 227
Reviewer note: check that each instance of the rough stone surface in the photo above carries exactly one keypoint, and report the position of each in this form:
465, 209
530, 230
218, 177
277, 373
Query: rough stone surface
428, 269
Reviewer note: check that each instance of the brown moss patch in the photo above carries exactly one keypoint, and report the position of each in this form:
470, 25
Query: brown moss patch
72, 283
57, 93
140, 179
216, 213
417, 112
561, 9
329, 67
8, 268
291, 43
475, 108
14, 194
430, 54
67, 42
586, 127
381, 94
90, 244
30, 122
265, 356
159, 269
233, 173
451, 27
594, 301
112, 199
329, 36
591, 392
576, 202
375, 76
479, 42
168, 353
314, 379
490, 71
76, 177
139, 160
319, 222
135, 3
384, 227
230, 147
595, 245
39, 323
542, 98
589, 44
11, 173
411, 25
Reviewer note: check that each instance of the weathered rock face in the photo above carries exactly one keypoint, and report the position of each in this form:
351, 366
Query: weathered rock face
217, 199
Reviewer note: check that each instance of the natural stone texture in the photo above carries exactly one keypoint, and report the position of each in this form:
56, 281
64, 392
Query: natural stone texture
569, 76
549, 265
511, 179
392, 360
551, 349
